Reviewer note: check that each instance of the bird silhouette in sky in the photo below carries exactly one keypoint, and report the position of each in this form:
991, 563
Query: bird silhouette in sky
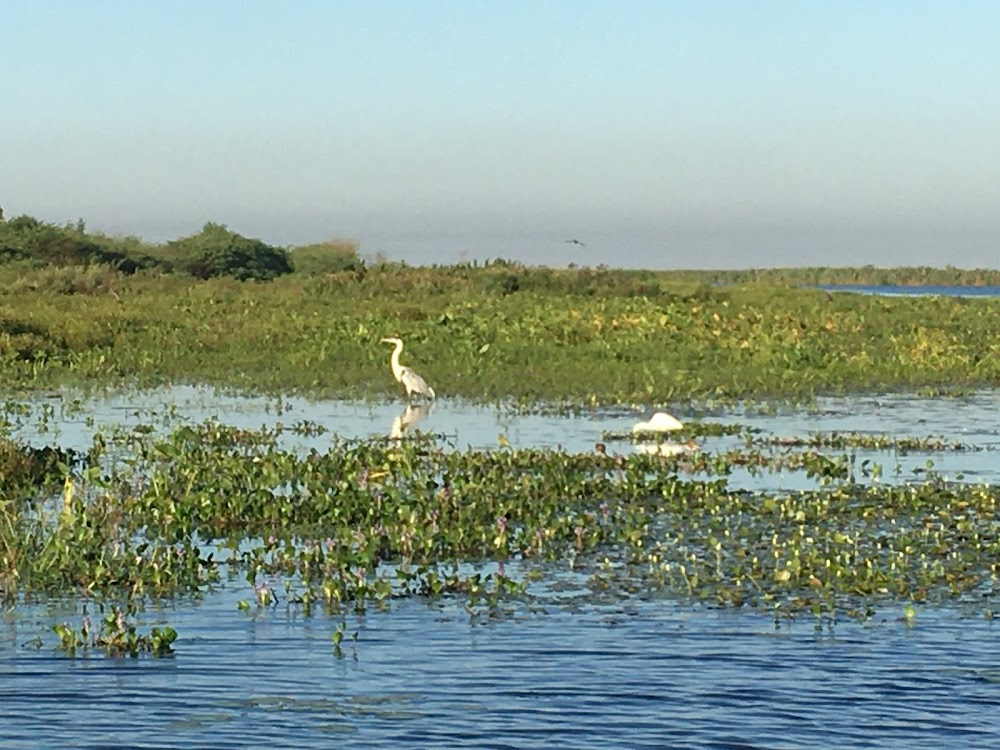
575, 242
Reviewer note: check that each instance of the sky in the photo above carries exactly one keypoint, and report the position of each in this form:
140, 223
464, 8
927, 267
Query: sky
701, 134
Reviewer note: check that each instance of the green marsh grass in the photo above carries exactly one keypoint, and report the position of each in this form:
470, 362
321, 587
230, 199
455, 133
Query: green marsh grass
569, 337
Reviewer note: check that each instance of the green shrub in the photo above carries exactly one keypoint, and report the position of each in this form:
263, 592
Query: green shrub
332, 256
217, 251
25, 238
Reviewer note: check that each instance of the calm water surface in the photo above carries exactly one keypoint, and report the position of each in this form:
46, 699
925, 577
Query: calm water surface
71, 423
916, 290
643, 672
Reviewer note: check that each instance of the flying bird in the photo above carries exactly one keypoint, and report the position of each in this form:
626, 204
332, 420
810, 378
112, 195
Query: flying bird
575, 242
413, 383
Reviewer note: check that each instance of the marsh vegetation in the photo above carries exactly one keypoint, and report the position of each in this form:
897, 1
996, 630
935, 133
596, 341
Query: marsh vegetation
86, 310
144, 515
299, 519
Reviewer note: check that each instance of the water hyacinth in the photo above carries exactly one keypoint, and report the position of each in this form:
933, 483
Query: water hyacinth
366, 522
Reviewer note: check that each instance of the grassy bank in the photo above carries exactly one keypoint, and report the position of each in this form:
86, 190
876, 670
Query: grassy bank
485, 332
85, 309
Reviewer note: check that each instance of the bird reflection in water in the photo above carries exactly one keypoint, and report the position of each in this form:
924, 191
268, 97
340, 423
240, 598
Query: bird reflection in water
667, 450
411, 416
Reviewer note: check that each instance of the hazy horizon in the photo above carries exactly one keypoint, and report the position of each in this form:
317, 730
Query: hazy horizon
662, 135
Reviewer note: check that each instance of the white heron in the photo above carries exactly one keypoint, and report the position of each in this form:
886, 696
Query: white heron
413, 383
659, 422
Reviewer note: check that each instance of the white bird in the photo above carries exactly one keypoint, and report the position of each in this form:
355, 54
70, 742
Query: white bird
413, 383
659, 422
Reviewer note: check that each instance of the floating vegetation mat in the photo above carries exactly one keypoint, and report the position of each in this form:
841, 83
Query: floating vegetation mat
935, 444
837, 440
364, 523
688, 430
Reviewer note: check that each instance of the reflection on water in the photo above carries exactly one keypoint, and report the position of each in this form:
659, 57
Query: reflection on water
576, 672
915, 290
667, 449
411, 416
969, 419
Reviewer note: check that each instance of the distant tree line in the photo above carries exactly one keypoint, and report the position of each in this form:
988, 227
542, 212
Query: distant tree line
217, 251
214, 251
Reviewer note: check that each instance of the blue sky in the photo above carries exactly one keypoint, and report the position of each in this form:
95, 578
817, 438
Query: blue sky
662, 134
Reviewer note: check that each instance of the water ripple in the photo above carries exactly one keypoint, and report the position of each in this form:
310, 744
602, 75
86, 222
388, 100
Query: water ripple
637, 674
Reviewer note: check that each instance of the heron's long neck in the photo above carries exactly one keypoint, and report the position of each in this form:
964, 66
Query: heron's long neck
394, 361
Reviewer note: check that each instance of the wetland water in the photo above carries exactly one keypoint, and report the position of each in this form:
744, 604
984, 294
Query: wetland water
916, 290
572, 671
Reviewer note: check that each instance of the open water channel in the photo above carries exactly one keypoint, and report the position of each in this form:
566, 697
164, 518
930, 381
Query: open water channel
640, 672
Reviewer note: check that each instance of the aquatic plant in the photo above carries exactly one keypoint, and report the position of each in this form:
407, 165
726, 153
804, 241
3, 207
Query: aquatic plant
691, 429
364, 523
25, 468
116, 635
902, 444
